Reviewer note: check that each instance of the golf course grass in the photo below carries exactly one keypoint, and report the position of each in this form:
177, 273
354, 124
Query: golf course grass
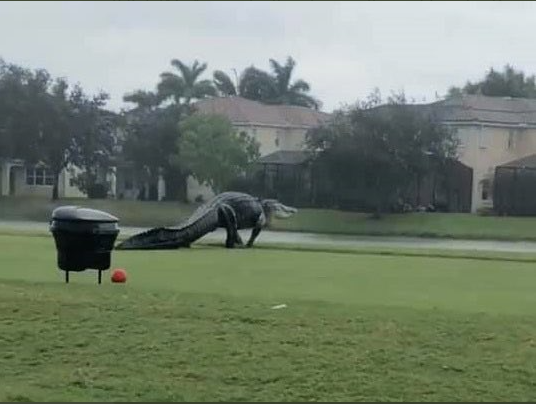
198, 324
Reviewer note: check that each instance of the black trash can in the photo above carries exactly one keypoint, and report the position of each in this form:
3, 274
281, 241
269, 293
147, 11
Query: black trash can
84, 239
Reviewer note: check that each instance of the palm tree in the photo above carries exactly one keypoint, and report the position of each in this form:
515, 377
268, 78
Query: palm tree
254, 84
143, 99
185, 87
224, 84
287, 92
275, 88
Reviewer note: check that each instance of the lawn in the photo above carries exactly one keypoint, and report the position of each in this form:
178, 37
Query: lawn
149, 214
197, 325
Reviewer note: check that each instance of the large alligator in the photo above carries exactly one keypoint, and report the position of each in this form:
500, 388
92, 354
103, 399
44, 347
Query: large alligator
230, 210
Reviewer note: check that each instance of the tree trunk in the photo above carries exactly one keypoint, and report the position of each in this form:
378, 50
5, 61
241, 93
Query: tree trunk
176, 185
55, 185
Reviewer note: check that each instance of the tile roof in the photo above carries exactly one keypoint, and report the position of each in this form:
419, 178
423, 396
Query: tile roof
484, 109
247, 112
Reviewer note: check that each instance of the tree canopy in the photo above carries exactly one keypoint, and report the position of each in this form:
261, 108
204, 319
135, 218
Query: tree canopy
506, 83
275, 87
213, 151
44, 121
382, 146
185, 86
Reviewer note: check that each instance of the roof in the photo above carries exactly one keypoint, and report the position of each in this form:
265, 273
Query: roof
241, 111
285, 157
483, 109
527, 161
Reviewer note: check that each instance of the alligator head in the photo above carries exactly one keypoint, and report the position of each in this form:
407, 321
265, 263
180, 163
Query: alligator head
277, 209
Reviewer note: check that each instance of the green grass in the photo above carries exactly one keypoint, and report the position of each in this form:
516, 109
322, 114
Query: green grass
197, 325
131, 213
152, 214
440, 225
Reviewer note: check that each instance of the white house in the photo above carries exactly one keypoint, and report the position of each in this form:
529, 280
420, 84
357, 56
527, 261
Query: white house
492, 131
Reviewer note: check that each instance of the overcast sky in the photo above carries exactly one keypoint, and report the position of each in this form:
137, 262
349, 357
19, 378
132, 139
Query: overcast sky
344, 50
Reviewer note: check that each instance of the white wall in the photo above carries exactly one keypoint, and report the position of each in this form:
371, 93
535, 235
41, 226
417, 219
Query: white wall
195, 189
483, 148
272, 139
65, 189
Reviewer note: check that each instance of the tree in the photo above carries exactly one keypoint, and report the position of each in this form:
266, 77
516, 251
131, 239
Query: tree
55, 137
274, 88
151, 139
94, 139
508, 83
22, 93
143, 99
254, 84
213, 151
184, 87
287, 92
41, 121
224, 84
383, 147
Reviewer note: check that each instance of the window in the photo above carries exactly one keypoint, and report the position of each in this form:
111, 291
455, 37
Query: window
511, 140
39, 176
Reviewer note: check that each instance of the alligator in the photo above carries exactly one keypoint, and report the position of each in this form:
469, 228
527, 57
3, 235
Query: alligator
231, 210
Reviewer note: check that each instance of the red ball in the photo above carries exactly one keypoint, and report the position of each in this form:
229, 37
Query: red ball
119, 276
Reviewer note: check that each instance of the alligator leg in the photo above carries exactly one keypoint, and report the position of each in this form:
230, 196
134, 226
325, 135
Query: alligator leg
229, 222
261, 222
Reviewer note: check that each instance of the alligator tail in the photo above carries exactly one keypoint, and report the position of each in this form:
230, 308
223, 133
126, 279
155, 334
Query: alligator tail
162, 238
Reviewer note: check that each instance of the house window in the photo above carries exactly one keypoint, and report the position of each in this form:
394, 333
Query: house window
511, 140
39, 176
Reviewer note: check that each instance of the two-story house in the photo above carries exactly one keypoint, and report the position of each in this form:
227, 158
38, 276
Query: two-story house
492, 132
279, 129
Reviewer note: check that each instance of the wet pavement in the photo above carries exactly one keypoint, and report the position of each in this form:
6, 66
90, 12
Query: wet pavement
310, 239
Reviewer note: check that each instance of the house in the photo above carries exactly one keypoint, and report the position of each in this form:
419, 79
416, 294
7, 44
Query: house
279, 129
18, 178
492, 132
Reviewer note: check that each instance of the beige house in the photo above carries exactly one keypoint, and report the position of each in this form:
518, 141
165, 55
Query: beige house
275, 127
492, 131
18, 178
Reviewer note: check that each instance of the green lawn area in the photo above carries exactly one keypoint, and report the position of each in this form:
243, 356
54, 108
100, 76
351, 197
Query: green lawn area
149, 214
131, 213
197, 324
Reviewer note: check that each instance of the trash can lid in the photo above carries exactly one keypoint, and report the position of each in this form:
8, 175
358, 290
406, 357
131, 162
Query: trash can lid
78, 214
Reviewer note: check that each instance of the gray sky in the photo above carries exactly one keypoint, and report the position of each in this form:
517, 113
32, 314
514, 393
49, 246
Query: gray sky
343, 50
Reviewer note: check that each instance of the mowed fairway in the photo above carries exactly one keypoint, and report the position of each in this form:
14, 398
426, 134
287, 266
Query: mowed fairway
198, 325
